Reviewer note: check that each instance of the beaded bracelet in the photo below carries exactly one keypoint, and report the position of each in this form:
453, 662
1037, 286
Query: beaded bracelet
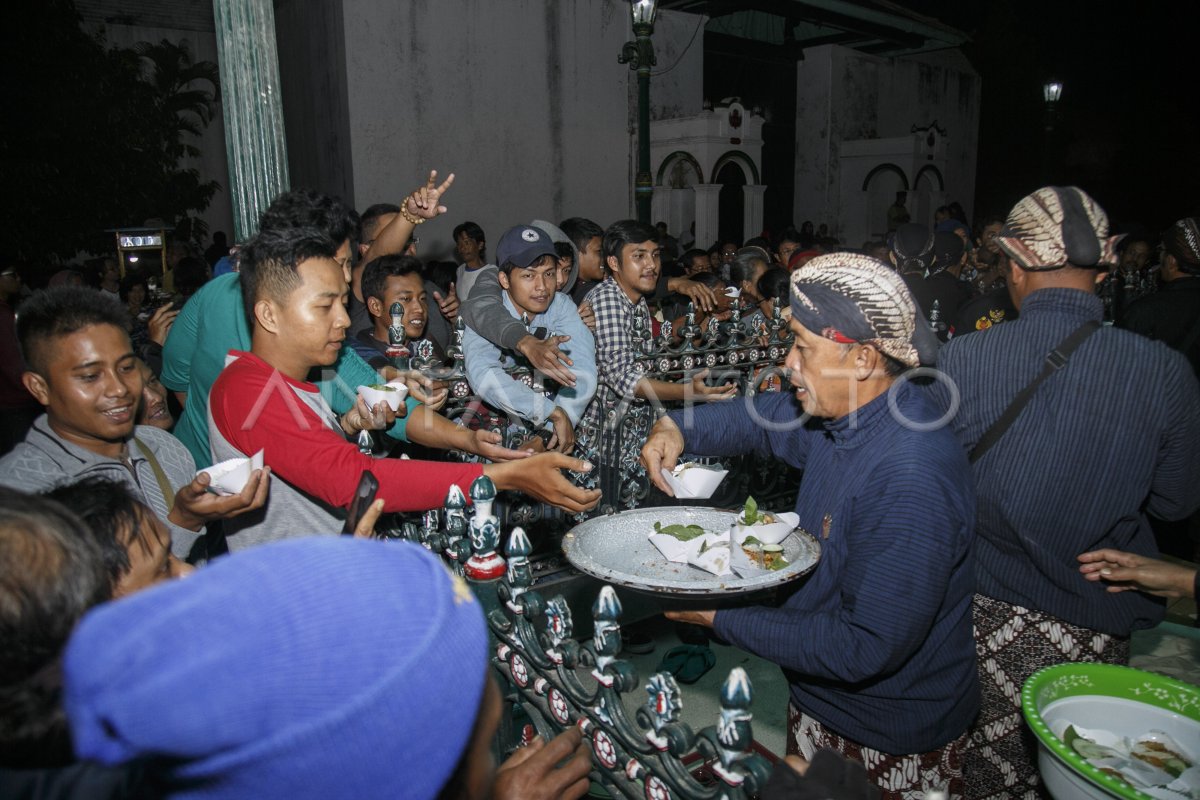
408, 216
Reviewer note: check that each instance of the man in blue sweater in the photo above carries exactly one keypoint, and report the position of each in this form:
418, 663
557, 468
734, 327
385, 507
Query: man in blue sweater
1112, 435
877, 644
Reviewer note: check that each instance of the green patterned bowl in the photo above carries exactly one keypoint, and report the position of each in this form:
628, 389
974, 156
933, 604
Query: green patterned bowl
1125, 701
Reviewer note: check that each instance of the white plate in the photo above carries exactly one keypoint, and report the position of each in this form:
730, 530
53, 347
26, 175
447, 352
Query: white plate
617, 549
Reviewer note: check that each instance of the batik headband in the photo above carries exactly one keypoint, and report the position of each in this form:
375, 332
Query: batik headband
1182, 240
853, 298
1056, 226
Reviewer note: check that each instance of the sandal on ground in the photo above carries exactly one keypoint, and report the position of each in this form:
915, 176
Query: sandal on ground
638, 643
688, 662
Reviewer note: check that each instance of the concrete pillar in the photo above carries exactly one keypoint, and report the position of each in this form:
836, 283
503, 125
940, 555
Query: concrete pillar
660, 207
708, 213
251, 100
682, 215
752, 209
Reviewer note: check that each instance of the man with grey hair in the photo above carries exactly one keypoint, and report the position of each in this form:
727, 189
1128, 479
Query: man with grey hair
1075, 431
886, 492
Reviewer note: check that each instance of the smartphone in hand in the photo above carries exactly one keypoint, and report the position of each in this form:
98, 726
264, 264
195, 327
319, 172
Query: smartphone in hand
364, 495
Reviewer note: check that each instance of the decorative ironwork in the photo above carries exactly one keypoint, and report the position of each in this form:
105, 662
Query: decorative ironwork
484, 563
747, 351
545, 670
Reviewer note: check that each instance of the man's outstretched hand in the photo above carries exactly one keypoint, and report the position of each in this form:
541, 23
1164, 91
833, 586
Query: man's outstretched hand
194, 505
544, 356
540, 476
490, 445
1124, 571
661, 451
546, 770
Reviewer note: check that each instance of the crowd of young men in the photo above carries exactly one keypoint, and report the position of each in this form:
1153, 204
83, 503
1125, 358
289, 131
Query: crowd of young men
974, 500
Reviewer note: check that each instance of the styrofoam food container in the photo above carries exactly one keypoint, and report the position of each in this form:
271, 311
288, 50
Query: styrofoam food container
693, 481
393, 395
231, 476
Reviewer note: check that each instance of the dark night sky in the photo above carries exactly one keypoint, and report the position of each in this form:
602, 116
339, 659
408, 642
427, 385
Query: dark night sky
1127, 129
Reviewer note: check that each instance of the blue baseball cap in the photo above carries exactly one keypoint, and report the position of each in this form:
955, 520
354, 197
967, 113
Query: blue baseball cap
522, 245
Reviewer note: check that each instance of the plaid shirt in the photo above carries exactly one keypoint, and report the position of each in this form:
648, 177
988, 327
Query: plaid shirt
618, 370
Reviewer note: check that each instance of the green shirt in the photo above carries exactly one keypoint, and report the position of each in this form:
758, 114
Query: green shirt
212, 323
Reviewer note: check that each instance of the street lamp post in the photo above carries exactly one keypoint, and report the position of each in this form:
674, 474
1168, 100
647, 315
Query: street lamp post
1051, 93
639, 54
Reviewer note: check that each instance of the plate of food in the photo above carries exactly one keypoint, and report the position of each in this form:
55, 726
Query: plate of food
1109, 731
628, 549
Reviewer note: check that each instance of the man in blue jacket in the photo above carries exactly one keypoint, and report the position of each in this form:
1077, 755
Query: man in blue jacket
528, 269
877, 644
1110, 436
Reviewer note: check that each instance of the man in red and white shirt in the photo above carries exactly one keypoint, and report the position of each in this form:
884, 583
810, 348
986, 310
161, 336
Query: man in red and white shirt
295, 295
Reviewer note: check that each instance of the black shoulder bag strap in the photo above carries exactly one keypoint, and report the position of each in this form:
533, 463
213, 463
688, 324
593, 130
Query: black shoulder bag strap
1056, 360
160, 477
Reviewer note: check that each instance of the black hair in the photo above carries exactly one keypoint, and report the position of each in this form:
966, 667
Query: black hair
564, 250
376, 274
62, 311
892, 367
773, 284
190, 274
304, 208
128, 282
580, 231
757, 241
619, 234
53, 575
956, 211
687, 258
473, 231
789, 234
93, 272
1132, 239
745, 263
709, 279
269, 261
993, 219
369, 222
112, 515
441, 274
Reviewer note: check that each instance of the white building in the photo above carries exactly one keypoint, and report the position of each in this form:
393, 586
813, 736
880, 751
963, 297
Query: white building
525, 102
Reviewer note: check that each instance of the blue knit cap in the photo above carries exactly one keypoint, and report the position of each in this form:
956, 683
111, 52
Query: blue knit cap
317, 667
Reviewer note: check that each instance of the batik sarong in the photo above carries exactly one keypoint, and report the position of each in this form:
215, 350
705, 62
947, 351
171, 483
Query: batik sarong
1012, 643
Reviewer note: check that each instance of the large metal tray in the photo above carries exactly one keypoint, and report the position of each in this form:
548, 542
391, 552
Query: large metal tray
615, 549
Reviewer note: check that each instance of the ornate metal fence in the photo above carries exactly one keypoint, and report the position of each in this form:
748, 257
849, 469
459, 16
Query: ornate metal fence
748, 354
553, 682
